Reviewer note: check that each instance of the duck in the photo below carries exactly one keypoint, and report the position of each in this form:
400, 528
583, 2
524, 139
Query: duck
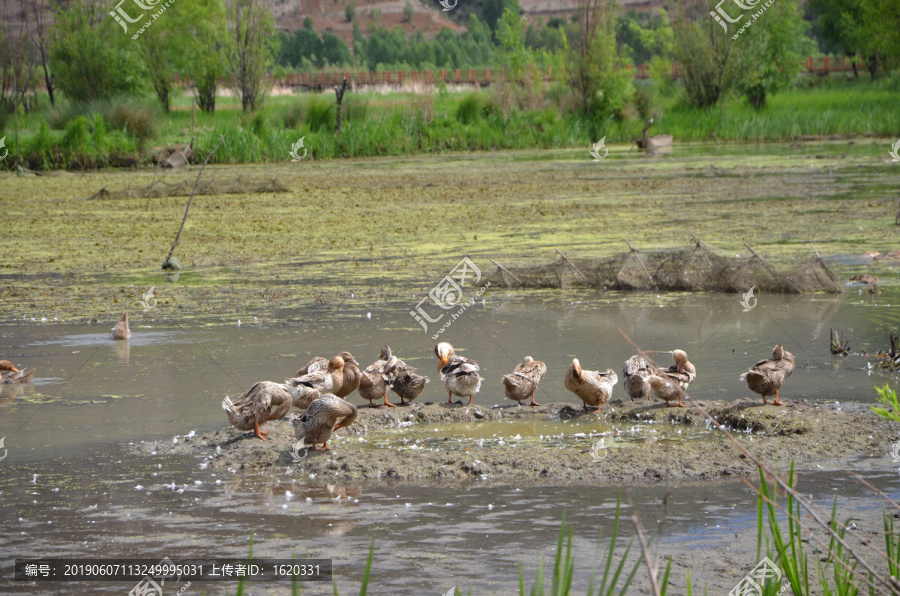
9, 374
524, 380
671, 383
593, 387
351, 376
406, 384
767, 376
318, 422
636, 377
376, 379
458, 374
317, 363
305, 389
253, 408
121, 330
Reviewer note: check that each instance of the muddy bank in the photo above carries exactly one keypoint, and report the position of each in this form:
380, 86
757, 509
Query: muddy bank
627, 442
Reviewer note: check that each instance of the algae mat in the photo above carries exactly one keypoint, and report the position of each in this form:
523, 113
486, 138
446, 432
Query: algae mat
372, 229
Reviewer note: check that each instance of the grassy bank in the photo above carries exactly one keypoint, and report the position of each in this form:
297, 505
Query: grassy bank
128, 133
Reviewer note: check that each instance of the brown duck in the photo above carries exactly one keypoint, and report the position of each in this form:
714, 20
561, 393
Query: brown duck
636, 374
121, 330
671, 383
524, 380
318, 422
376, 379
458, 374
253, 408
9, 374
767, 376
593, 387
308, 387
351, 376
407, 384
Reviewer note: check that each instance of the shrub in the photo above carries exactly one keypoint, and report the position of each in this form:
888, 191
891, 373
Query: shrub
321, 114
471, 108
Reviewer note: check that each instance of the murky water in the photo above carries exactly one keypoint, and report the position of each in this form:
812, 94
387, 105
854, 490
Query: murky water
66, 491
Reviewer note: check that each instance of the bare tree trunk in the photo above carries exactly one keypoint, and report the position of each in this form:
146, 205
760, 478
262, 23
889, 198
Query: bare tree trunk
339, 91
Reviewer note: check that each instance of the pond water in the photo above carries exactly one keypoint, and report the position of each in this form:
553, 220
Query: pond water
67, 488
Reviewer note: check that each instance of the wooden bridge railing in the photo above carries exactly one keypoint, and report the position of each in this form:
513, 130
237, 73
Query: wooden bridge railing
480, 76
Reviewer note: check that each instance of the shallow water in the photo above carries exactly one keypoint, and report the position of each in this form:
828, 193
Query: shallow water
426, 539
165, 381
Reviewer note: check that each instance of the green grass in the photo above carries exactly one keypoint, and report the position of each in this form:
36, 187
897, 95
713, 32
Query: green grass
404, 123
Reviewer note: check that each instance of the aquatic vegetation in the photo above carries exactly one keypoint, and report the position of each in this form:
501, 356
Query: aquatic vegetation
888, 398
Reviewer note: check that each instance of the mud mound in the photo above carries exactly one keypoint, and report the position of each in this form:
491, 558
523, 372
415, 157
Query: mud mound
677, 444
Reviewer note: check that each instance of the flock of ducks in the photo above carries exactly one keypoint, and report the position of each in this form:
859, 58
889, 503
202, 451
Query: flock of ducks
322, 386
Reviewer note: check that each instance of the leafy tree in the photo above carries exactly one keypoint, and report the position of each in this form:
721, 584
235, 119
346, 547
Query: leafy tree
408, 12
643, 37
201, 35
157, 50
881, 29
350, 12
253, 49
92, 57
16, 70
771, 51
839, 24
492, 10
707, 57
38, 16
334, 50
599, 78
